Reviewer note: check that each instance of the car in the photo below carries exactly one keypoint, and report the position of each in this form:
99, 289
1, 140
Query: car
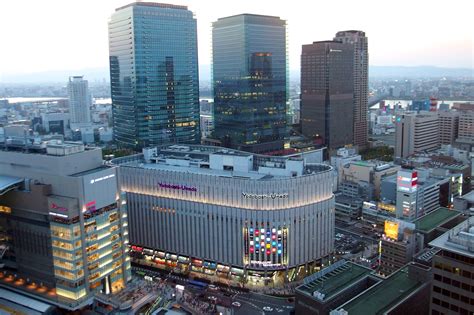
212, 298
279, 310
212, 287
267, 309
236, 304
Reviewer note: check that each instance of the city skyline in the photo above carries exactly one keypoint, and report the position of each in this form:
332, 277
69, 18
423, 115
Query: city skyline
72, 44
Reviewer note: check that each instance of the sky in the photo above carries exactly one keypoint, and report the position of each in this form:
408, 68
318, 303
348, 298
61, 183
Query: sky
52, 35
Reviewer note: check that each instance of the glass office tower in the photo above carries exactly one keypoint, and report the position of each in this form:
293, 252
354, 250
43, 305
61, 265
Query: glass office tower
154, 75
250, 82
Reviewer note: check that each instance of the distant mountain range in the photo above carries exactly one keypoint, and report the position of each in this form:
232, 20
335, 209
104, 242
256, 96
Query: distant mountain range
420, 71
102, 74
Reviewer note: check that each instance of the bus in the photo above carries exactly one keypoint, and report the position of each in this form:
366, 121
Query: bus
198, 284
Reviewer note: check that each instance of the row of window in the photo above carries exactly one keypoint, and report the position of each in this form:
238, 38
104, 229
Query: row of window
453, 295
446, 305
454, 283
455, 270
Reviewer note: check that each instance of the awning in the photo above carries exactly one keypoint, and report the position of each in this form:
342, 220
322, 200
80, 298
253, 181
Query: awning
8, 183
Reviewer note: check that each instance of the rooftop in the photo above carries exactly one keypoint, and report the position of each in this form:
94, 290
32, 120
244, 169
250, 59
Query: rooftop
22, 303
384, 295
432, 220
469, 196
459, 240
8, 182
331, 283
153, 4
222, 162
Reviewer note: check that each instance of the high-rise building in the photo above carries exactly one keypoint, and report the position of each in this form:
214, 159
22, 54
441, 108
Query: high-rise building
453, 270
79, 100
327, 90
250, 69
154, 75
360, 81
448, 126
466, 125
416, 132
63, 223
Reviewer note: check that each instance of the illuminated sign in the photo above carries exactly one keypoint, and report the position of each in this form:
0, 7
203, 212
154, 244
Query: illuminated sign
387, 207
265, 196
391, 229
59, 208
177, 187
407, 181
90, 206
58, 214
264, 263
93, 181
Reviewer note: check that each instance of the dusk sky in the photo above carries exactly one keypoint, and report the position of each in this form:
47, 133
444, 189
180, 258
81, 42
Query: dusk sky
72, 35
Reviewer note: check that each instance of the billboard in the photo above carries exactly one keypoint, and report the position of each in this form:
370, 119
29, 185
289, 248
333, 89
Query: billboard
391, 229
407, 181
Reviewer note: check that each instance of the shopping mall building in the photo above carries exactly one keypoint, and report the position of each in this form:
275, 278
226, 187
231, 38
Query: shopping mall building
229, 214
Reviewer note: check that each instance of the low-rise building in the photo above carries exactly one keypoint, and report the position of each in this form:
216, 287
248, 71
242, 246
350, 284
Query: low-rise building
345, 288
369, 172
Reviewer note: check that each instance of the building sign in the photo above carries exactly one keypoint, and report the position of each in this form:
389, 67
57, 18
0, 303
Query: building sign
391, 229
95, 180
90, 206
387, 207
177, 187
264, 263
54, 206
407, 181
265, 196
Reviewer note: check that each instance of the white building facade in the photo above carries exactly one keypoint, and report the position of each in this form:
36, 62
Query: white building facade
211, 210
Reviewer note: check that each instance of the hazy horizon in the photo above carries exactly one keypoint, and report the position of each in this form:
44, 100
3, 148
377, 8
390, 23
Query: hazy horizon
54, 35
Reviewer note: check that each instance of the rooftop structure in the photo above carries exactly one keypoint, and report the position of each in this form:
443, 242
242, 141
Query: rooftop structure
383, 296
434, 219
332, 280
459, 240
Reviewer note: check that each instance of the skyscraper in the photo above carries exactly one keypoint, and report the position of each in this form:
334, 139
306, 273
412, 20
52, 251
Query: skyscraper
154, 75
79, 100
327, 92
250, 82
360, 81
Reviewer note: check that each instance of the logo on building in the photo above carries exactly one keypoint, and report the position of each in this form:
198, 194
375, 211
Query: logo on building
59, 208
93, 181
177, 187
265, 196
90, 206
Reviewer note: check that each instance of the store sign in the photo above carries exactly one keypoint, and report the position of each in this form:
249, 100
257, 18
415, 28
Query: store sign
93, 181
264, 196
177, 187
90, 206
54, 206
264, 263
